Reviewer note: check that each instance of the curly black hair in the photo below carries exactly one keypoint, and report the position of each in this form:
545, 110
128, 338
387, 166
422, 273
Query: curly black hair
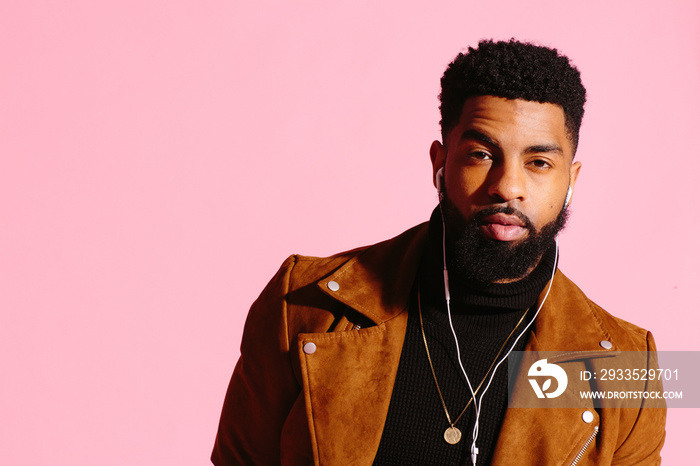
514, 70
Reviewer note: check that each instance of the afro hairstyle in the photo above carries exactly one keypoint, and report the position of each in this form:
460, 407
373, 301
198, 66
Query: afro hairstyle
514, 70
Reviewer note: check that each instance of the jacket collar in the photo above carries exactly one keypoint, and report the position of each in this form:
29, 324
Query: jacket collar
377, 282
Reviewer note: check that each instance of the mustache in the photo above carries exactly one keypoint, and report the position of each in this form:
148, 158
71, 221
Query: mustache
482, 214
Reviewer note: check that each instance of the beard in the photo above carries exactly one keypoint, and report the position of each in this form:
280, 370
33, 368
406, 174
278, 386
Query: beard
472, 255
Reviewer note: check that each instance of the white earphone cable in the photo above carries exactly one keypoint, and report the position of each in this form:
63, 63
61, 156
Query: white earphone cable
449, 318
475, 433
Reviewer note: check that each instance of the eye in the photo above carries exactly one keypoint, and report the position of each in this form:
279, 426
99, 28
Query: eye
541, 164
480, 155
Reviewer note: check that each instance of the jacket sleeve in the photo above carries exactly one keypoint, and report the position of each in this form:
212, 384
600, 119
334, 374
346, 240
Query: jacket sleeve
642, 447
263, 387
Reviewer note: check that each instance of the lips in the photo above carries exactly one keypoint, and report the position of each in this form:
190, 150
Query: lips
503, 227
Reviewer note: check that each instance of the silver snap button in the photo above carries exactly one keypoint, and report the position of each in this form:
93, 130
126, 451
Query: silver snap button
606, 344
333, 285
587, 417
309, 348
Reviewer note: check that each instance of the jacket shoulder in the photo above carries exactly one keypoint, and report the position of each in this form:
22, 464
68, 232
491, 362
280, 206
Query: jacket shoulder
311, 268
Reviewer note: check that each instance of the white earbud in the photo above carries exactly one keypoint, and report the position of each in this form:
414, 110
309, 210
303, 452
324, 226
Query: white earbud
568, 197
438, 179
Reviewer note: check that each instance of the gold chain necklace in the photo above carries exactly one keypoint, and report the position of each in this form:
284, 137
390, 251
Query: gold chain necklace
452, 434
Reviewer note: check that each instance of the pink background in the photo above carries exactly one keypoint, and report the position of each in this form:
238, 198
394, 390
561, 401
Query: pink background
161, 158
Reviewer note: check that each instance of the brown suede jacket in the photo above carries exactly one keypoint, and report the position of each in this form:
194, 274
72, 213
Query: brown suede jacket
317, 369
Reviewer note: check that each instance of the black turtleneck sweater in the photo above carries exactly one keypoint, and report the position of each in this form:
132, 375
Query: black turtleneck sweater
483, 317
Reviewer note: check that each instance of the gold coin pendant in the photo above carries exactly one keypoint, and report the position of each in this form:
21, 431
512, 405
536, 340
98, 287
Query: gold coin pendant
452, 435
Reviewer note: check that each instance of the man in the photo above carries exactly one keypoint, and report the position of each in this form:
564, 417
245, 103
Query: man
383, 355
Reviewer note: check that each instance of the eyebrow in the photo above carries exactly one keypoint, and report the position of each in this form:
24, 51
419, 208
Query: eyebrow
540, 148
536, 149
478, 136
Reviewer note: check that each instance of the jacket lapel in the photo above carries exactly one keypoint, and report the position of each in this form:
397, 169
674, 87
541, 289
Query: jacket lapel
348, 381
532, 436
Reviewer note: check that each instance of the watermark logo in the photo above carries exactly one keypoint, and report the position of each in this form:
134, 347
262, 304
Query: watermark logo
624, 379
543, 370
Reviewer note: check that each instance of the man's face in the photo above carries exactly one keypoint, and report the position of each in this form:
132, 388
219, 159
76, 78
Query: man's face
511, 157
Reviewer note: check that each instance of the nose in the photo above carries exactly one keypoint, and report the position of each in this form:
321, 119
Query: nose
507, 182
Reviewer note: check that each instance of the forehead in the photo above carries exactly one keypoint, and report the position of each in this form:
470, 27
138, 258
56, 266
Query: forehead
514, 121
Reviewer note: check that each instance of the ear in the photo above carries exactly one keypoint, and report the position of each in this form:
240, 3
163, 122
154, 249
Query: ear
437, 158
573, 176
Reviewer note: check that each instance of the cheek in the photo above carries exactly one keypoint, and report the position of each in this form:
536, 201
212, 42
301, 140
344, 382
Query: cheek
465, 184
464, 197
546, 213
